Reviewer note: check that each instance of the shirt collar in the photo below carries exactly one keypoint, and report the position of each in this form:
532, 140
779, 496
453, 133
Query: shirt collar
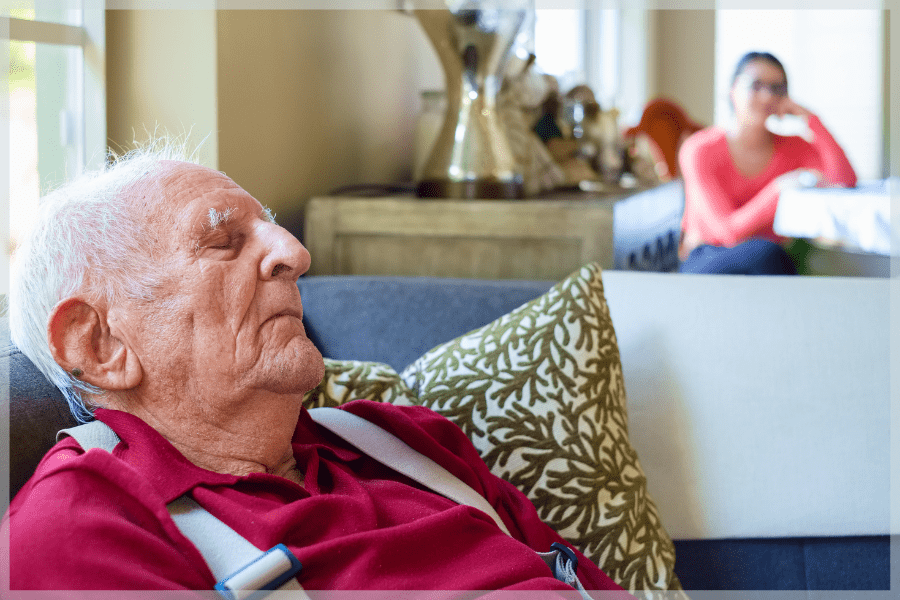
150, 454
153, 457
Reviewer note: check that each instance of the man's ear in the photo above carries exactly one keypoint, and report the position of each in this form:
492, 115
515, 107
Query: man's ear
81, 342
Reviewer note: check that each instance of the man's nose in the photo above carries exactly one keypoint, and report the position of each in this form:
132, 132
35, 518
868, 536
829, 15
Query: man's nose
285, 257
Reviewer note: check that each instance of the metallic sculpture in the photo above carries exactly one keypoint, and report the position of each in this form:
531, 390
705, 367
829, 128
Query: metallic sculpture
471, 157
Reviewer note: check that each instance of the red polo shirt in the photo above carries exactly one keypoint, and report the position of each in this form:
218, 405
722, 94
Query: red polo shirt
98, 521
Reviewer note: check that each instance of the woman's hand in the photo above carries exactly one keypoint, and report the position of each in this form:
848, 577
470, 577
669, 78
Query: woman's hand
789, 107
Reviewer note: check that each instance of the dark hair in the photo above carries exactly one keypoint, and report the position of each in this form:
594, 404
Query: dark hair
753, 57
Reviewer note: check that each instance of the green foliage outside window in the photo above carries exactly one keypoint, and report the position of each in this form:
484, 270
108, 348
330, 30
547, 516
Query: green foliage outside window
21, 55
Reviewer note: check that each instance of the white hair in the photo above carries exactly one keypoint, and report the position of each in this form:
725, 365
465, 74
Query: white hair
88, 240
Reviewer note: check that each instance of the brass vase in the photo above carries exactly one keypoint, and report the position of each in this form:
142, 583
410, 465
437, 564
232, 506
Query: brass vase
471, 157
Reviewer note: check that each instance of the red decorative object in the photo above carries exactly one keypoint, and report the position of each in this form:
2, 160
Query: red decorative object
667, 125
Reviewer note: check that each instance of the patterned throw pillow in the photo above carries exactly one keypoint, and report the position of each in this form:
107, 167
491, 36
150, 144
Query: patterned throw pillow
347, 380
540, 393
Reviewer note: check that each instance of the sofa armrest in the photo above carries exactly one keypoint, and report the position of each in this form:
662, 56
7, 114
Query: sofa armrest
759, 406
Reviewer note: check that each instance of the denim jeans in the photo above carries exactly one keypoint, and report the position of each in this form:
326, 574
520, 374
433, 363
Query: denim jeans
753, 257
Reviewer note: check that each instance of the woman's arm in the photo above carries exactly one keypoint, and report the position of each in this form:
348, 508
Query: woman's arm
835, 166
833, 162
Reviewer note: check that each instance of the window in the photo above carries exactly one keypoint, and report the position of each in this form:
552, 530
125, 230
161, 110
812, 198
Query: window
605, 48
559, 47
57, 104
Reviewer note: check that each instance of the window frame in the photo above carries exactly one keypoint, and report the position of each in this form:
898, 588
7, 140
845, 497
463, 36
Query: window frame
89, 103
90, 37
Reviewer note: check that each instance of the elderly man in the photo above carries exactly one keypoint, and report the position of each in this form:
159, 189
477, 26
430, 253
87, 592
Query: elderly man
161, 297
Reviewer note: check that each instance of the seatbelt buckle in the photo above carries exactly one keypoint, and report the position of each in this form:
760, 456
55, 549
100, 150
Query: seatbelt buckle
569, 554
256, 579
563, 562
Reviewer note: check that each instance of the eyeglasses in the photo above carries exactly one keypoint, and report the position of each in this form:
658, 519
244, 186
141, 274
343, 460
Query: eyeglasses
776, 89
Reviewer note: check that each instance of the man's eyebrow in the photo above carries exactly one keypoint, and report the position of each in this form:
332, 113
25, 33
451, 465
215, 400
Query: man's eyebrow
217, 217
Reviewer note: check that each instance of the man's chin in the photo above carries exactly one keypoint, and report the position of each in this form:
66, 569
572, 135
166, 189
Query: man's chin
298, 373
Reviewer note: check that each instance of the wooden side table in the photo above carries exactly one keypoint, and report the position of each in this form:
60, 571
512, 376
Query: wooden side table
481, 239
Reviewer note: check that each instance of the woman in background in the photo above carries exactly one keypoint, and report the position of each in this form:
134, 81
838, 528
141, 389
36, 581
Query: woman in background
733, 176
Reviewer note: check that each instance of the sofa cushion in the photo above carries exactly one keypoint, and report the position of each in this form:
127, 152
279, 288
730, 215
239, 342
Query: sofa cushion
817, 563
540, 393
394, 320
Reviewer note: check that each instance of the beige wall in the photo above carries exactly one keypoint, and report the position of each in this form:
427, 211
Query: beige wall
161, 76
311, 100
295, 103
685, 60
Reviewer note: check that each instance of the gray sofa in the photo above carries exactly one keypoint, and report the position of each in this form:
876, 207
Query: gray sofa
737, 387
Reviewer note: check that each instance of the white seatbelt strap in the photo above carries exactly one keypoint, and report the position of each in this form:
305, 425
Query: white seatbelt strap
243, 570
393, 452
240, 568
95, 434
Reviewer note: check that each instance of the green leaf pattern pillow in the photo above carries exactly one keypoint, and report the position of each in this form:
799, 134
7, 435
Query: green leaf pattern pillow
540, 392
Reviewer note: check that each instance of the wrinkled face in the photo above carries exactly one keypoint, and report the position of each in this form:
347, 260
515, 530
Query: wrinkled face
226, 323
758, 91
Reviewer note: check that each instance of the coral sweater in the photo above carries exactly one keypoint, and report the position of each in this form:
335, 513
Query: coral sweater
98, 521
724, 207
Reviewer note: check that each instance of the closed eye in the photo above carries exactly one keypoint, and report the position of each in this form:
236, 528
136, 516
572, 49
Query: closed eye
219, 239
221, 243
